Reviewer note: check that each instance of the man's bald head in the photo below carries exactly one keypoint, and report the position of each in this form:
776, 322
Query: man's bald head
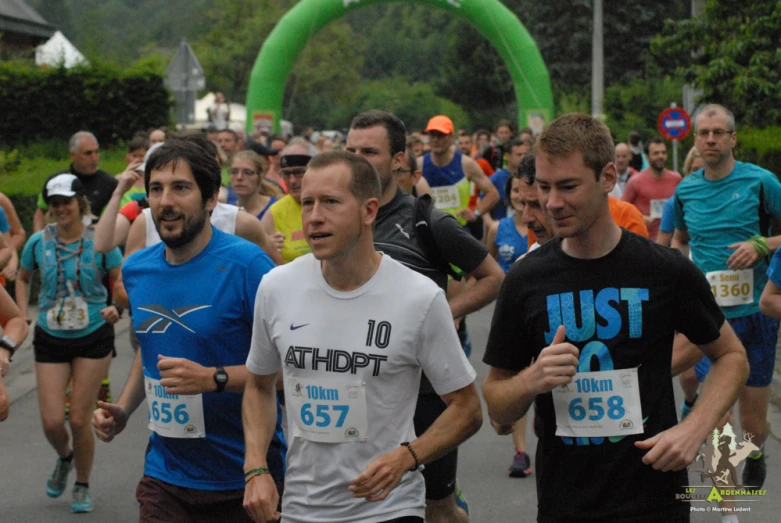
623, 157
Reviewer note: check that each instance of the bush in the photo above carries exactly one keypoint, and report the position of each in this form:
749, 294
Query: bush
761, 147
52, 104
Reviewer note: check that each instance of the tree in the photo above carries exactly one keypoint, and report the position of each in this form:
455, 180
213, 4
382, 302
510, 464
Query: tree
731, 52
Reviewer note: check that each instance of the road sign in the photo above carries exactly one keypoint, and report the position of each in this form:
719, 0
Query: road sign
185, 72
674, 123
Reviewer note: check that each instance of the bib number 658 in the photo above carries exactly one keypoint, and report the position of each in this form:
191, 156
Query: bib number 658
615, 408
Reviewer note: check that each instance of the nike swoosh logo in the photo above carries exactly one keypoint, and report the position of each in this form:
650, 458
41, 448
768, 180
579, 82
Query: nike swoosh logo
294, 327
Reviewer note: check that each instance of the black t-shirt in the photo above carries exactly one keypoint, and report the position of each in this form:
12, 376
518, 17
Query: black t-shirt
98, 188
632, 301
394, 234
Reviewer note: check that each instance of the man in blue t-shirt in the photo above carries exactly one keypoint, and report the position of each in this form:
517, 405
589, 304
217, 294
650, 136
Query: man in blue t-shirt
723, 213
192, 298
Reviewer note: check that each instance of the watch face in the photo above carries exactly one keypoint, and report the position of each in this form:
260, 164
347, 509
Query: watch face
221, 376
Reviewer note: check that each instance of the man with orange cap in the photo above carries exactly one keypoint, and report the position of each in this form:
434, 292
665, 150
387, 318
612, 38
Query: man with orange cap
450, 173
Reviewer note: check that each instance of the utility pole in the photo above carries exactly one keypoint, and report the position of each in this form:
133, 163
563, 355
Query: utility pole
597, 62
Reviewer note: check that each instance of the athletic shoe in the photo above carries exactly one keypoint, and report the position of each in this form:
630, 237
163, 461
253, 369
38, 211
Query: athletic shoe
82, 502
59, 478
685, 410
104, 393
461, 500
67, 403
522, 465
754, 471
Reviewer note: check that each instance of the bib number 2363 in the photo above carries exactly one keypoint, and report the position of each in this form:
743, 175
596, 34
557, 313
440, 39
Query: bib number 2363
328, 411
174, 415
599, 404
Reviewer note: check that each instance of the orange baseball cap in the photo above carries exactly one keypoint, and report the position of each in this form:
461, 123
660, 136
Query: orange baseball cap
440, 123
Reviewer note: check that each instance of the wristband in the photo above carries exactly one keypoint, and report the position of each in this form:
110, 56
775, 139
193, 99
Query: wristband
760, 244
120, 310
252, 474
414, 455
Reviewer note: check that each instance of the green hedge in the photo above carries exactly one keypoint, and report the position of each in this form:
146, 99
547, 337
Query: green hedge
52, 104
761, 147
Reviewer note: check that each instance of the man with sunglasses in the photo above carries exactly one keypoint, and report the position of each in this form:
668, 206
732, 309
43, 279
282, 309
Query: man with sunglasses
283, 221
723, 213
450, 173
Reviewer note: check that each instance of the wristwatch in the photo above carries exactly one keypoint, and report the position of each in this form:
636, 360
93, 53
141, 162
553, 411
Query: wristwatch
221, 379
477, 213
7, 343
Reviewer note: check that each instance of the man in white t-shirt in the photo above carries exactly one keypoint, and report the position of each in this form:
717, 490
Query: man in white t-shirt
351, 345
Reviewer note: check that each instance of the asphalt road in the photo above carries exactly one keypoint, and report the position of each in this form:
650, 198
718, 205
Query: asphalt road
26, 459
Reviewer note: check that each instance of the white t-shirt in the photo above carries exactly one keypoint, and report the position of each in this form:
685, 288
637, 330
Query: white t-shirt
219, 113
381, 335
223, 217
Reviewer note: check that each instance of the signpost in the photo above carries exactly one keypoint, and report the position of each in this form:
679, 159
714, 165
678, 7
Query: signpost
184, 77
674, 124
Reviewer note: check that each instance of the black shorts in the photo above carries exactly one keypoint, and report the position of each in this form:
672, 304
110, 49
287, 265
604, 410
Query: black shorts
165, 503
440, 475
52, 349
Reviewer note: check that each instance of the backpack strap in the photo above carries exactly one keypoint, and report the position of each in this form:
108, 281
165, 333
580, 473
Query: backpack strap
423, 208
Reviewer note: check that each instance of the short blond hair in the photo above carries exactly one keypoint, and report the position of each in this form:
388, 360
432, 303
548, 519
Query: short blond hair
578, 133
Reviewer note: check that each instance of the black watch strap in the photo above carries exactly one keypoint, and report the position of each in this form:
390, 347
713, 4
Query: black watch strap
7, 343
220, 378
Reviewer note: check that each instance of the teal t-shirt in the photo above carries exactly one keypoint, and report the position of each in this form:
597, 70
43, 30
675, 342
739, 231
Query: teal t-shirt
718, 213
90, 287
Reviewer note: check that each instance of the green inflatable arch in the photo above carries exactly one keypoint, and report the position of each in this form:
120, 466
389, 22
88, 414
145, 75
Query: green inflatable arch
494, 21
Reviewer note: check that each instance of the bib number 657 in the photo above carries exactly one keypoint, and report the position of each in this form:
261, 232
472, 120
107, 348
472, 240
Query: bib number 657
321, 417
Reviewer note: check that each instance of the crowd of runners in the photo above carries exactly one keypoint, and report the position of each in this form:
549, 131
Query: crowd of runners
251, 264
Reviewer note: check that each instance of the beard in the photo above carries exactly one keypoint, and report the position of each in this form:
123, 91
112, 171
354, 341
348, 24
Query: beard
191, 227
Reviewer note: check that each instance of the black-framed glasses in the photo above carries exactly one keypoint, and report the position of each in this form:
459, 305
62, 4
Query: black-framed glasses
717, 133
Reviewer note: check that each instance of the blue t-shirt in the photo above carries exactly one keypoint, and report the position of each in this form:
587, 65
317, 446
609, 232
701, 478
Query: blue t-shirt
774, 271
201, 310
718, 213
4, 227
668, 221
509, 243
499, 179
90, 275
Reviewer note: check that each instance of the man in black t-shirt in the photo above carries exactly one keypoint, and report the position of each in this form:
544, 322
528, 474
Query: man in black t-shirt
98, 185
584, 328
380, 137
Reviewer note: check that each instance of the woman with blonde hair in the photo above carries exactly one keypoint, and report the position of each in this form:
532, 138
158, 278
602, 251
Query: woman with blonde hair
692, 163
250, 190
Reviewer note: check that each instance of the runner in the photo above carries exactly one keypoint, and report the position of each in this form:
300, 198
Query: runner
428, 246
74, 332
650, 189
252, 192
351, 400
14, 332
449, 174
194, 341
693, 162
409, 177
593, 269
723, 212
283, 221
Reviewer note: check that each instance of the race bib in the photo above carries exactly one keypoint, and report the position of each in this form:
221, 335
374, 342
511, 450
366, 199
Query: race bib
732, 288
657, 208
600, 404
70, 314
445, 197
174, 415
327, 411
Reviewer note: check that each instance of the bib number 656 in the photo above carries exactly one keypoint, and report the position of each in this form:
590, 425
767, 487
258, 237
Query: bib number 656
161, 411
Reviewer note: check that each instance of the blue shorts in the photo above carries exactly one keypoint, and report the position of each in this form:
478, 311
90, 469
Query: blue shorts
759, 335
